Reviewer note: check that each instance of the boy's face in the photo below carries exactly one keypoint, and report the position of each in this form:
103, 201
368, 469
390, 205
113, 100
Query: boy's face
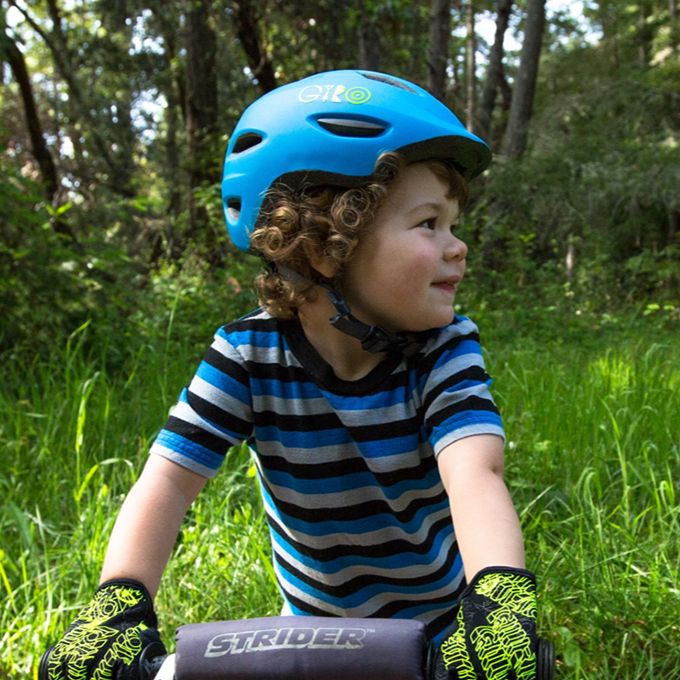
405, 272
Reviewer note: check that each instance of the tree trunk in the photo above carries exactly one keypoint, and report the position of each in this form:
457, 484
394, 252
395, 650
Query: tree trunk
39, 148
673, 226
516, 134
645, 34
201, 106
470, 67
369, 41
440, 30
81, 110
494, 72
247, 31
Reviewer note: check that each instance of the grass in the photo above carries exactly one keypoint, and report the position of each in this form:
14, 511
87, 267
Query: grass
593, 422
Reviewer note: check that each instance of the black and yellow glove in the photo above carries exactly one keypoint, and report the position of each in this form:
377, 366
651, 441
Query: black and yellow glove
495, 632
107, 638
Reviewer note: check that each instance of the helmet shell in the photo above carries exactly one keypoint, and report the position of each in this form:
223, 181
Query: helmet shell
331, 128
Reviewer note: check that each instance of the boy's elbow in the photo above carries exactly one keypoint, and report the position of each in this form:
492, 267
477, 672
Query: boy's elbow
470, 459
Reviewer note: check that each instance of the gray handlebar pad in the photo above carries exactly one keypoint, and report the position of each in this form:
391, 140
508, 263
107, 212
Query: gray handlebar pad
302, 648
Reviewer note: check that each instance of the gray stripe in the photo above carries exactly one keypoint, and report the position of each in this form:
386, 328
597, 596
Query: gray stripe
334, 453
346, 498
365, 539
159, 450
221, 399
338, 578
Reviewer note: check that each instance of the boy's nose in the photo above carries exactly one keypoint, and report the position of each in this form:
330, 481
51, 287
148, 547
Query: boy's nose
455, 249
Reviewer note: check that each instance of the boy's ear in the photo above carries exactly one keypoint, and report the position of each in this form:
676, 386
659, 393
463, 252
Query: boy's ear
321, 262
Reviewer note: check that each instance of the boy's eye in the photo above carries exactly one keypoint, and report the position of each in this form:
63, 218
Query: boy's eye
428, 224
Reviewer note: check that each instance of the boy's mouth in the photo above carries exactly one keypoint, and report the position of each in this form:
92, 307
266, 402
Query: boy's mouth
449, 285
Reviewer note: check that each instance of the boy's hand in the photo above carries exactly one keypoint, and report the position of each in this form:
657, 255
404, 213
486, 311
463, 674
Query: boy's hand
495, 633
107, 637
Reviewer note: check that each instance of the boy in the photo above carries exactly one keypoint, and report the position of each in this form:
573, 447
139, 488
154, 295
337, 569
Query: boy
363, 397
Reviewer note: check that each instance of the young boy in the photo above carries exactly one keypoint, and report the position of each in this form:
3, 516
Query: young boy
363, 397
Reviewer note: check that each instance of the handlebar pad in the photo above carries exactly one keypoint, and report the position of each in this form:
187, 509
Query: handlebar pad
302, 648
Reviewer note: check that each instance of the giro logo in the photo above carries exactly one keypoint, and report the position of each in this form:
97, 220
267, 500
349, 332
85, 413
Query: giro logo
248, 641
334, 93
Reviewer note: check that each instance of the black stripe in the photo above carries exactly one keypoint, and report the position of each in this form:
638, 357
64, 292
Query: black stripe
217, 416
445, 620
391, 610
428, 362
388, 611
197, 435
251, 322
378, 550
349, 513
351, 586
348, 466
472, 373
225, 365
315, 422
471, 403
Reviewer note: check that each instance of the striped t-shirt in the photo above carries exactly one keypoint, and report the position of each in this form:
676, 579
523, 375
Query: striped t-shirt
358, 516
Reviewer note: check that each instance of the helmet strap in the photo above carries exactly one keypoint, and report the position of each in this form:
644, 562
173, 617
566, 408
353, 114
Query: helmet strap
373, 338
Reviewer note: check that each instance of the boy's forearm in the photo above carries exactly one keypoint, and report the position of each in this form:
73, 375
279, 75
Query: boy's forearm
148, 523
487, 527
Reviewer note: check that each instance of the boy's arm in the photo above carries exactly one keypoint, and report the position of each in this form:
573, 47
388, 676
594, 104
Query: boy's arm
494, 632
149, 521
487, 526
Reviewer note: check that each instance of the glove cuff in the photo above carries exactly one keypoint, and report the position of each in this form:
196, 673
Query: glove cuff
127, 582
510, 571
143, 609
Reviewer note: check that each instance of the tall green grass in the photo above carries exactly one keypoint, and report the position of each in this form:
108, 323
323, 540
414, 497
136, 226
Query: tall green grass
593, 455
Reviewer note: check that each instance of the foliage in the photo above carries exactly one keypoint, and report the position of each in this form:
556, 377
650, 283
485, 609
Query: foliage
591, 412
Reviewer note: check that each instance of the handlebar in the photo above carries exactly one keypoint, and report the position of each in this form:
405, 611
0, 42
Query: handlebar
154, 667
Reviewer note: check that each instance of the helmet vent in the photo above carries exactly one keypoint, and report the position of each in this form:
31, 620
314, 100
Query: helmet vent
351, 127
234, 207
246, 141
388, 81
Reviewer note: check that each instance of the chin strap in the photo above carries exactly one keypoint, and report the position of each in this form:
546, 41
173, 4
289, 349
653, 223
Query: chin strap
372, 338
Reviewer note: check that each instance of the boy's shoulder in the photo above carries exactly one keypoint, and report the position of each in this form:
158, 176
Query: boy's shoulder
461, 328
257, 320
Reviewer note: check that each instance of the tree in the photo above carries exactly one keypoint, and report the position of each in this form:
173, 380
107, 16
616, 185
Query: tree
248, 32
495, 71
39, 148
440, 31
470, 67
516, 134
201, 105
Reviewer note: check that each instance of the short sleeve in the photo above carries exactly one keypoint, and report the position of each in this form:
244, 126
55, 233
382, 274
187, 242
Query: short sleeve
212, 414
456, 395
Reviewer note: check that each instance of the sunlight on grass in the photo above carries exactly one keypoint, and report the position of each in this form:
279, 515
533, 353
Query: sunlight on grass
593, 460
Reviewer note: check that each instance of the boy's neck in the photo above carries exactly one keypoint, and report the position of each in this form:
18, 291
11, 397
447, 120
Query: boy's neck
341, 352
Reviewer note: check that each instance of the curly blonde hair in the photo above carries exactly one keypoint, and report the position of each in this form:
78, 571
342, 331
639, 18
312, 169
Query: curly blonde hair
326, 220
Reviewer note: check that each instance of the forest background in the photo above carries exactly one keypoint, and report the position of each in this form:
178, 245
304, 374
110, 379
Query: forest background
115, 269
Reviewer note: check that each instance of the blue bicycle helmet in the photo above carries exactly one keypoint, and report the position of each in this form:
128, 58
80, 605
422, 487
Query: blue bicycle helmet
331, 128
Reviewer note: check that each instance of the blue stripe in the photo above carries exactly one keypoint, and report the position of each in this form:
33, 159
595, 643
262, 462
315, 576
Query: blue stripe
463, 419
395, 561
364, 594
364, 525
285, 390
225, 383
339, 436
251, 338
189, 449
303, 440
350, 482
